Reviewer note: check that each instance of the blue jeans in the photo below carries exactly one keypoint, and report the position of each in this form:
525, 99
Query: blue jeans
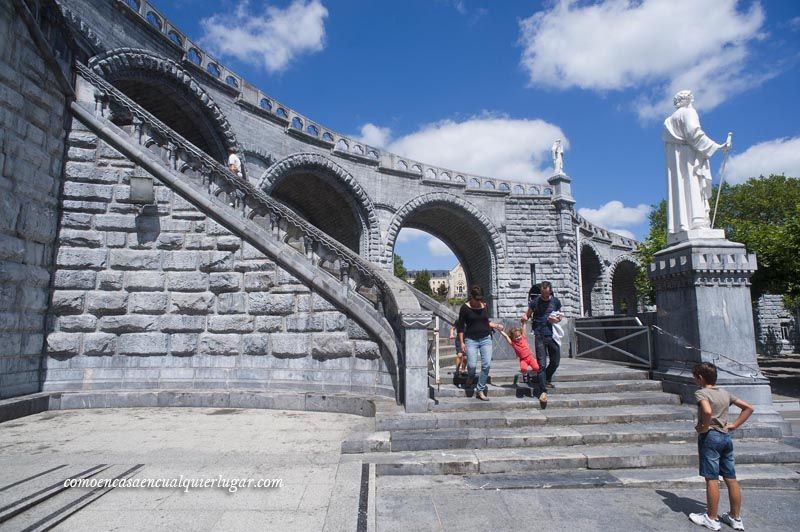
716, 455
546, 346
484, 347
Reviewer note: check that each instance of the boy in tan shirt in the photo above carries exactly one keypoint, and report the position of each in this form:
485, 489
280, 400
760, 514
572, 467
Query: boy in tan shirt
715, 447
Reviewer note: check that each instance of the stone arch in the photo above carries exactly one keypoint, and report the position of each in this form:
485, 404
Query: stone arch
333, 183
134, 70
256, 162
473, 238
622, 277
593, 274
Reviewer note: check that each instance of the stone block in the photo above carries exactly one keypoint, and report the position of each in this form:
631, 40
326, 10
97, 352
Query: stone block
187, 281
224, 282
143, 344
75, 279
236, 323
80, 238
67, 302
106, 303
127, 259
258, 281
219, 344
109, 281
179, 260
37, 222
88, 191
200, 242
269, 324
116, 240
290, 345
177, 323
231, 303
99, 344
334, 321
144, 281
96, 207
129, 323
216, 261
60, 343
148, 303
81, 323
115, 222
256, 344
12, 249
266, 303
169, 241
81, 258
228, 243
192, 303
9, 209
330, 345
366, 350
355, 332
304, 323
183, 344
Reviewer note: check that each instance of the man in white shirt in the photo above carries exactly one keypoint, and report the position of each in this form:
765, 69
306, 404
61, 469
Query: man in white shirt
234, 163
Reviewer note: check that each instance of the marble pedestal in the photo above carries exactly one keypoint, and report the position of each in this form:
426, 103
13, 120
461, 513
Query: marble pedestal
705, 315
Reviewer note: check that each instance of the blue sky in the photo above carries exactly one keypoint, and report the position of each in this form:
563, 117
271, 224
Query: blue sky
486, 87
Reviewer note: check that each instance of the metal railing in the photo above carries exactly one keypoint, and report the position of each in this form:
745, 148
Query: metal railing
615, 339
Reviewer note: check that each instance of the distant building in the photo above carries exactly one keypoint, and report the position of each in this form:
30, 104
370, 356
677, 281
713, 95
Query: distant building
458, 282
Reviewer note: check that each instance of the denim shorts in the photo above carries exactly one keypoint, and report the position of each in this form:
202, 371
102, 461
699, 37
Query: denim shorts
716, 455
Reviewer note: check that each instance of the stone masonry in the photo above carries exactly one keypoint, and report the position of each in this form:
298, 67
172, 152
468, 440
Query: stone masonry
32, 113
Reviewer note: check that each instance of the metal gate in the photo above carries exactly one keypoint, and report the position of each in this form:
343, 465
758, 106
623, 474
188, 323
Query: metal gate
615, 339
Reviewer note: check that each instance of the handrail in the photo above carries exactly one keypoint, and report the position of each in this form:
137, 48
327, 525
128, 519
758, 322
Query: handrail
245, 190
428, 303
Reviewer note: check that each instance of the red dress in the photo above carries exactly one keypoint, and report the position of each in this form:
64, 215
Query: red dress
524, 354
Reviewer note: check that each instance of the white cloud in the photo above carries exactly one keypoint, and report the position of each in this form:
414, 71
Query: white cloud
659, 46
375, 136
777, 156
615, 216
487, 145
271, 39
437, 248
408, 234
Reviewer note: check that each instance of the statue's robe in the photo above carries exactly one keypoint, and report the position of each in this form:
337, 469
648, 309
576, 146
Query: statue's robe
688, 150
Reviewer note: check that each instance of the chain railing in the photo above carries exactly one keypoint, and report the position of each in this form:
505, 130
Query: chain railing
252, 203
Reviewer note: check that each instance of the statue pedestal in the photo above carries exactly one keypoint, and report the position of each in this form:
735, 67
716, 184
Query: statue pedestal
705, 315
695, 234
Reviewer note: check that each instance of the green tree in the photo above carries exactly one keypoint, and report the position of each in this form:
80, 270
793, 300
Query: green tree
656, 240
399, 268
441, 291
422, 282
762, 213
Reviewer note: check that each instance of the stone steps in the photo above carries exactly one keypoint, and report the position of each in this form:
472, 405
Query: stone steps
591, 457
521, 389
574, 400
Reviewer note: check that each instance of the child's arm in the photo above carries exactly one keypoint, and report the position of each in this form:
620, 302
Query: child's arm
747, 409
703, 416
508, 338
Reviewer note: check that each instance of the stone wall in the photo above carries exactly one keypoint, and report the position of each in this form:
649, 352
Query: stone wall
771, 316
32, 114
162, 297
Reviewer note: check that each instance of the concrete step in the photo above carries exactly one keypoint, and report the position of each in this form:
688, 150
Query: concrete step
556, 401
533, 417
749, 475
543, 436
507, 377
522, 389
594, 457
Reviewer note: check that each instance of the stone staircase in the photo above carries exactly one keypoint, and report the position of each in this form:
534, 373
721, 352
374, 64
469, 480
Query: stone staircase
600, 418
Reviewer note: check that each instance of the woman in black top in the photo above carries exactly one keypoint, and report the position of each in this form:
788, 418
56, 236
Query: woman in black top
475, 334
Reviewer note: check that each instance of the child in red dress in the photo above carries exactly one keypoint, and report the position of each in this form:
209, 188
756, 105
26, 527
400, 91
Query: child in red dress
527, 363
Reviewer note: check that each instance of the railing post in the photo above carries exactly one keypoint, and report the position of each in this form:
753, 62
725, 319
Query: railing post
436, 350
415, 328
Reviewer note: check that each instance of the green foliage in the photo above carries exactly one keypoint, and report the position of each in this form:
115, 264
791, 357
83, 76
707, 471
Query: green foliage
422, 282
442, 290
399, 268
762, 213
656, 240
456, 301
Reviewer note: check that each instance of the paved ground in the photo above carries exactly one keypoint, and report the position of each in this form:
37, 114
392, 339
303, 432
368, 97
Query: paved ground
318, 492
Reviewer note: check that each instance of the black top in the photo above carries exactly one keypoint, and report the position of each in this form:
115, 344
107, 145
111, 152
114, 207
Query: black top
473, 322
541, 311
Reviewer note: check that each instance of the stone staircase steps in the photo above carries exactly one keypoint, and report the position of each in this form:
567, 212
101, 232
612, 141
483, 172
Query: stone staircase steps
522, 389
575, 400
593, 457
542, 436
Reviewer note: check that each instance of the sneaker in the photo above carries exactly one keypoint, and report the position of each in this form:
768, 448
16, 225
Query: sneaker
704, 520
551, 385
482, 397
732, 522
543, 400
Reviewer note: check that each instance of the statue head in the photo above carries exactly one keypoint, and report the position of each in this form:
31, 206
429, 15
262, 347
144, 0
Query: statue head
683, 98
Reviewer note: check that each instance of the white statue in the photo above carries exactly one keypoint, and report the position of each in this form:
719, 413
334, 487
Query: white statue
688, 150
558, 157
